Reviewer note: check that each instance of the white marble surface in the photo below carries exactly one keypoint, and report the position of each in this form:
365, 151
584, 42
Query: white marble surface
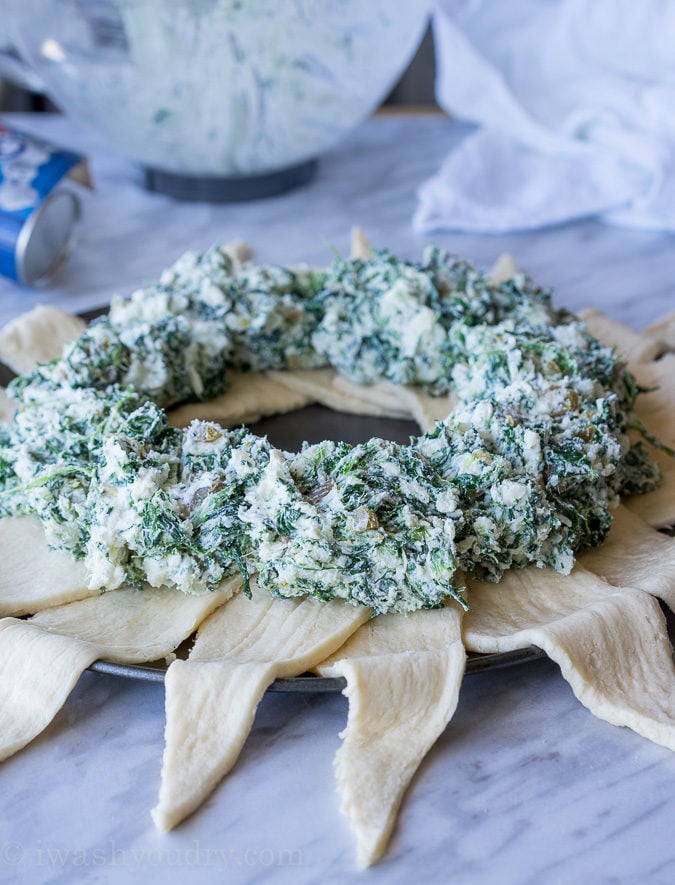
524, 786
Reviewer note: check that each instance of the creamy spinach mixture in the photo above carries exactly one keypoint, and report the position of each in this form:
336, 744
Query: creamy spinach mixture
526, 469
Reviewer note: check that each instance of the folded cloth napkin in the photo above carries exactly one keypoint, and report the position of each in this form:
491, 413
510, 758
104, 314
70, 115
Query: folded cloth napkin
575, 104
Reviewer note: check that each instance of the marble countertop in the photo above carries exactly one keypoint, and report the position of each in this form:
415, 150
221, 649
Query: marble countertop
525, 785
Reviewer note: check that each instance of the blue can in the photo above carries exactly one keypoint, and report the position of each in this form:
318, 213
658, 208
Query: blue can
37, 219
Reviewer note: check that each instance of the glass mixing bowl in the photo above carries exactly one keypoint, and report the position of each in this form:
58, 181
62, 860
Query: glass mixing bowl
238, 93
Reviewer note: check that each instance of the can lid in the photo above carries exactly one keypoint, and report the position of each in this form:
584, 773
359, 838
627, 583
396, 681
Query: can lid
47, 238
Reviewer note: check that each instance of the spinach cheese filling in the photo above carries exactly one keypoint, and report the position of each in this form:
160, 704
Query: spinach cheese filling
526, 468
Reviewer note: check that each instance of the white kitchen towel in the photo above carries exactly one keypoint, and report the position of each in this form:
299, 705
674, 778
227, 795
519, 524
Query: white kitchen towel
575, 106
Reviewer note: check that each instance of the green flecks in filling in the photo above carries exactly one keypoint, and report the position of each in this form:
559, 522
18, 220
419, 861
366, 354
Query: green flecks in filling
358, 522
526, 469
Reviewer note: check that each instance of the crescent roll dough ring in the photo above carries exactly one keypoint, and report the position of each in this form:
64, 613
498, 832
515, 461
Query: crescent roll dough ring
611, 643
525, 467
211, 698
250, 397
403, 678
664, 330
6, 406
635, 555
33, 575
402, 672
37, 337
325, 386
41, 659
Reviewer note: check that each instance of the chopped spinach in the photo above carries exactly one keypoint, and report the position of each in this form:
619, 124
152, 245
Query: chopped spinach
526, 469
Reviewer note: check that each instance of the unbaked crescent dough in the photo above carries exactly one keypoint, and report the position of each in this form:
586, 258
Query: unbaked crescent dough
663, 329
611, 643
325, 386
42, 659
249, 397
403, 677
383, 397
658, 507
635, 555
135, 626
359, 244
403, 673
503, 269
37, 673
212, 697
7, 406
426, 410
37, 336
33, 576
